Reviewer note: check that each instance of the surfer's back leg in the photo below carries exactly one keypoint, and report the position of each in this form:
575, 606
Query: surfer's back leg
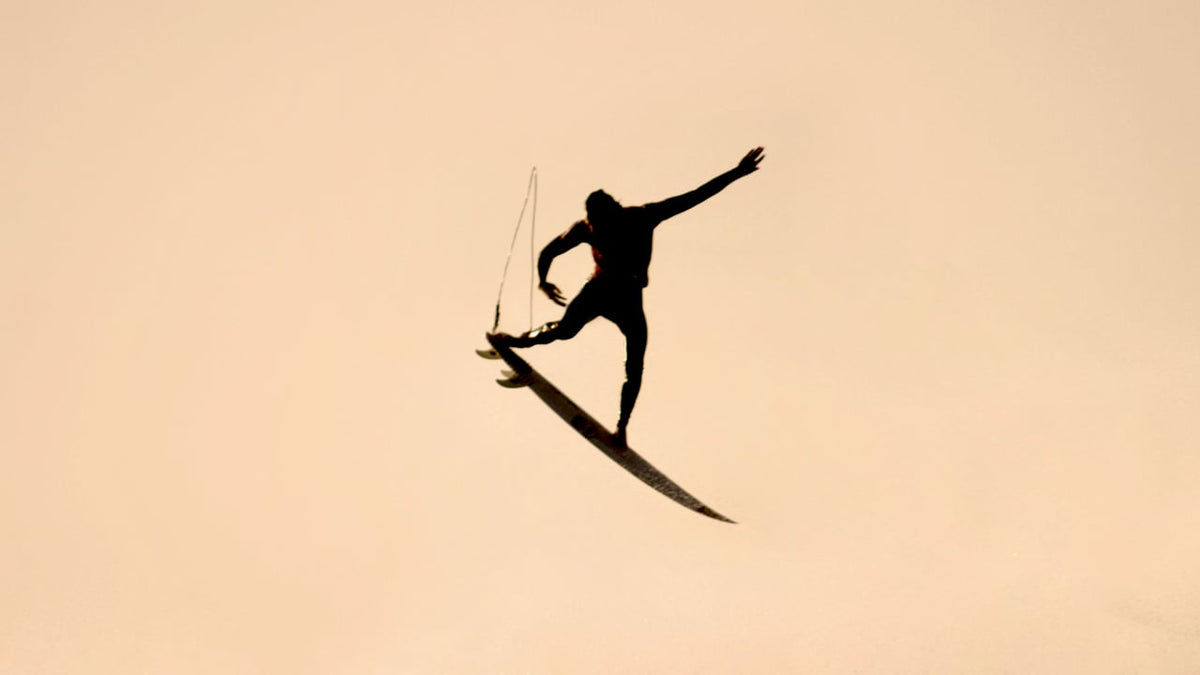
580, 311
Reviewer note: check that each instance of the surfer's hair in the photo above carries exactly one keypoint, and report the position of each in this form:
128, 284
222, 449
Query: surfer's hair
600, 202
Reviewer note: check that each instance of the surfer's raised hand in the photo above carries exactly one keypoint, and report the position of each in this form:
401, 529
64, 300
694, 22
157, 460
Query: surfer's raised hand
749, 163
553, 293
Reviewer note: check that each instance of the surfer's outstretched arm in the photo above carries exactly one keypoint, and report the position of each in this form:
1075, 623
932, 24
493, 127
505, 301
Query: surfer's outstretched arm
678, 204
574, 236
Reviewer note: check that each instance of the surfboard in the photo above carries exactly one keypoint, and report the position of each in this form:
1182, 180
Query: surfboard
523, 375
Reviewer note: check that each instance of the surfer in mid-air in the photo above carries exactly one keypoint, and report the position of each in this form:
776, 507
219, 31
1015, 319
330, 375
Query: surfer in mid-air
621, 238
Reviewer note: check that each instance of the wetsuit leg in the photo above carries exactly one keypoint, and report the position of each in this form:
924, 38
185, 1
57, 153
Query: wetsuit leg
632, 322
580, 311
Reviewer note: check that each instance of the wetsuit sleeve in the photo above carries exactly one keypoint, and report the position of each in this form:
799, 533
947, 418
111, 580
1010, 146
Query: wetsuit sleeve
668, 208
574, 236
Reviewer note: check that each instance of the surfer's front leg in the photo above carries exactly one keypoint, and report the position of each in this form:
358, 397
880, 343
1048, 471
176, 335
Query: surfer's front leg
635, 360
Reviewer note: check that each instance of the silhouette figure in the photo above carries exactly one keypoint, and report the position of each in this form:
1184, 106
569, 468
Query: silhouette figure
621, 238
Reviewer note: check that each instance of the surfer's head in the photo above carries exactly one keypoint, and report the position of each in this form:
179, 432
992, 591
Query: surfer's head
601, 207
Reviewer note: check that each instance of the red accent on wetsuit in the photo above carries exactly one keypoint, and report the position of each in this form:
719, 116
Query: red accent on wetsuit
622, 249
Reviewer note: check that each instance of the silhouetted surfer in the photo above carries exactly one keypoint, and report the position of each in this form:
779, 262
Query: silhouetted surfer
621, 238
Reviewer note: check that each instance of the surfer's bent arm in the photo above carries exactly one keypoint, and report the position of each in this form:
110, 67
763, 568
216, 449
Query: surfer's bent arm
574, 236
559, 245
674, 206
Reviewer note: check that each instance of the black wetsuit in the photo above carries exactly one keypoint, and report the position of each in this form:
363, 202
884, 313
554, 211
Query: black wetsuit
622, 242
621, 249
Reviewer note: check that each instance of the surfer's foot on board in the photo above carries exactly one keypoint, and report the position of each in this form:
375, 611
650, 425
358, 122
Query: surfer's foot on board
501, 339
619, 438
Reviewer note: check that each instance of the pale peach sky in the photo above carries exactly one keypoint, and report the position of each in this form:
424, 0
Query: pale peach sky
939, 358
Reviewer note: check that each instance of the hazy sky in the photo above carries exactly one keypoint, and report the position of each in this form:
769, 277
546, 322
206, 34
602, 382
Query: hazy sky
939, 358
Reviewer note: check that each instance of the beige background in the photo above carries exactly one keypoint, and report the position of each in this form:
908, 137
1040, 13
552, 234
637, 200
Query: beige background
940, 358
